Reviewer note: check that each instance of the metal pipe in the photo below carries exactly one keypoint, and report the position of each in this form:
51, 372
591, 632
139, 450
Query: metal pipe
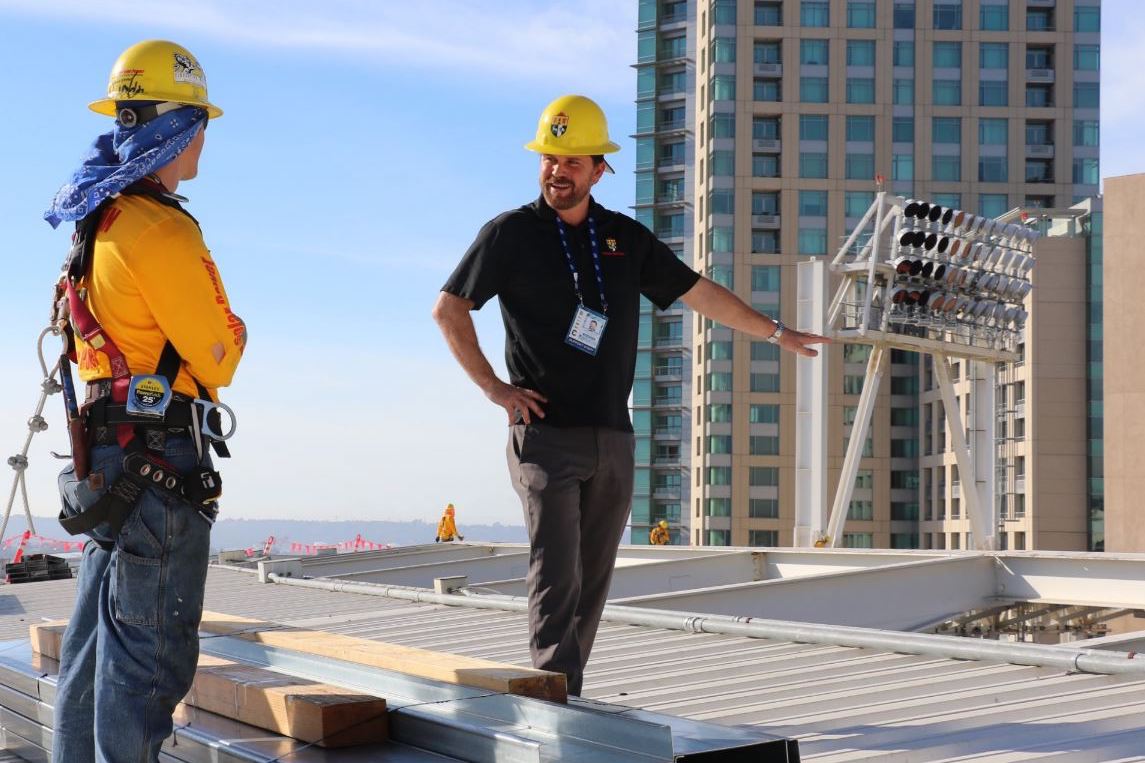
951, 647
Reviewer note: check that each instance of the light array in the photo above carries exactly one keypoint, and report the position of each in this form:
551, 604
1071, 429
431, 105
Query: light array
958, 274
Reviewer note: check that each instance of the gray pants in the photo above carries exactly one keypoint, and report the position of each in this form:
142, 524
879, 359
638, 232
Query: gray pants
575, 486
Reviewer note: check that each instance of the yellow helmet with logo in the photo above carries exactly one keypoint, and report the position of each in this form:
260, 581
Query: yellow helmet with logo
664, 524
572, 125
156, 70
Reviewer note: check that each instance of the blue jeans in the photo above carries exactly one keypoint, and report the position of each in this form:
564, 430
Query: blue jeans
132, 644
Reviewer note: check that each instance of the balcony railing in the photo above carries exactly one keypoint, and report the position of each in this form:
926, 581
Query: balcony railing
767, 145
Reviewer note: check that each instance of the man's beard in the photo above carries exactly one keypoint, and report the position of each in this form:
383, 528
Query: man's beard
568, 198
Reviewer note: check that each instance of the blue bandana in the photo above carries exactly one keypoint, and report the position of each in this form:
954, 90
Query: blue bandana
120, 157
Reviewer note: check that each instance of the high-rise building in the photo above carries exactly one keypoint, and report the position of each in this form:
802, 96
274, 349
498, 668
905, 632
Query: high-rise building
665, 169
983, 105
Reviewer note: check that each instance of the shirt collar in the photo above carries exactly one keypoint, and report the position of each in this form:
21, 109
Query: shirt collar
547, 213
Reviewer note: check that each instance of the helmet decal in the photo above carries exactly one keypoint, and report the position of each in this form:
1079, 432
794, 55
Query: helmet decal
126, 85
559, 124
187, 69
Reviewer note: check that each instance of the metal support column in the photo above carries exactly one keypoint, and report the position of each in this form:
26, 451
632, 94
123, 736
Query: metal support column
811, 408
980, 525
876, 367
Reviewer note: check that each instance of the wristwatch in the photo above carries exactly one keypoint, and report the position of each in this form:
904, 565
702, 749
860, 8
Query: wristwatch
779, 329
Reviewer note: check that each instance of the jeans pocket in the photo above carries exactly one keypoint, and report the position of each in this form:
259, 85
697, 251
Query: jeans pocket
136, 592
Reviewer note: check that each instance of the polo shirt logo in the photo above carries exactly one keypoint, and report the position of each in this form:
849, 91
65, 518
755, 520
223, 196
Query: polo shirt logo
610, 248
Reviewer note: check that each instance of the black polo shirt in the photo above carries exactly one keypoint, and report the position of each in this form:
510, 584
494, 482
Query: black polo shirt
518, 258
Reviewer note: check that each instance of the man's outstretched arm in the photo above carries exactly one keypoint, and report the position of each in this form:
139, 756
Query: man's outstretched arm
713, 301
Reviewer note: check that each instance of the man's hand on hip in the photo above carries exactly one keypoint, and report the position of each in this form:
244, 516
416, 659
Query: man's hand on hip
517, 401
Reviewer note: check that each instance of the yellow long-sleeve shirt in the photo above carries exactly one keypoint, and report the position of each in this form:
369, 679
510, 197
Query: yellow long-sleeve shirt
446, 528
152, 279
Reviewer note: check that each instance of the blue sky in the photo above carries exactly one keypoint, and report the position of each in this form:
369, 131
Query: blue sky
363, 145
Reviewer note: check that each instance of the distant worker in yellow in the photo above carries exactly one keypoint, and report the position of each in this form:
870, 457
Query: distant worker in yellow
660, 535
447, 527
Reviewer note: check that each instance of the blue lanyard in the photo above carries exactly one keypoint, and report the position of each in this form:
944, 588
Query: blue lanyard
595, 262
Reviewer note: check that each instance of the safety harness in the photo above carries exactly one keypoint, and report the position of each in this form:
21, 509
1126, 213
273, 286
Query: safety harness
106, 415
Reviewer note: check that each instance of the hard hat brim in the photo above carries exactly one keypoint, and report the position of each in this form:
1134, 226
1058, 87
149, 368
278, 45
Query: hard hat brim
106, 106
544, 148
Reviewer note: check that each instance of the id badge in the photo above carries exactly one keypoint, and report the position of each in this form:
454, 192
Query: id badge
586, 330
148, 396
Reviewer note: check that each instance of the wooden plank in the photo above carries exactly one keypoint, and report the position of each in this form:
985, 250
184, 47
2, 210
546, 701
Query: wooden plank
438, 666
306, 710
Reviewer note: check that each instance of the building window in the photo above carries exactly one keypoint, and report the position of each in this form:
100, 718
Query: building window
718, 475
860, 129
904, 15
765, 165
861, 510
1085, 171
904, 511
813, 127
1039, 96
763, 476
764, 413
904, 540
860, 90
856, 203
723, 87
860, 166
860, 52
721, 201
813, 89
904, 480
719, 537
812, 241
948, 14
1087, 58
992, 132
947, 55
815, 13
765, 202
763, 508
993, 93
853, 384
902, 167
765, 128
1039, 19
765, 241
861, 14
903, 53
1039, 170
764, 382
1086, 18
813, 52
768, 13
901, 448
902, 92
767, 53
947, 92
995, 18
722, 126
764, 351
718, 507
812, 203
763, 445
947, 168
946, 130
812, 164
723, 12
769, 538
1086, 95
858, 540
902, 130
766, 90
718, 413
994, 55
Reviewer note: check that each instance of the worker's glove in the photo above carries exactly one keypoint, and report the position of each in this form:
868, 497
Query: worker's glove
461, 537
437, 540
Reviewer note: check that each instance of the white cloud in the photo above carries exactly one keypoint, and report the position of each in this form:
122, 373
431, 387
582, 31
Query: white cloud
591, 40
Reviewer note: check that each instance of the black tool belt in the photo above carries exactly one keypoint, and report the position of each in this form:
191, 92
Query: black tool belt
201, 489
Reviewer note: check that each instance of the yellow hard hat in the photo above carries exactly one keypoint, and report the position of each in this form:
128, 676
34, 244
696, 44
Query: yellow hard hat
156, 70
572, 125
664, 523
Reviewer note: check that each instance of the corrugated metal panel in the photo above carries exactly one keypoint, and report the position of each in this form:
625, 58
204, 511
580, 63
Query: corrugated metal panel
843, 704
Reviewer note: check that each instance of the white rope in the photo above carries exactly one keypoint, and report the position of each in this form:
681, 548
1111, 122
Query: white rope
36, 424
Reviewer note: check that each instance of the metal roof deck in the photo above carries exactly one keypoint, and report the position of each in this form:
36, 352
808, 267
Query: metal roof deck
842, 703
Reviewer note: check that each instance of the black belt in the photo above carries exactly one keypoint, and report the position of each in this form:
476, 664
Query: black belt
201, 489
